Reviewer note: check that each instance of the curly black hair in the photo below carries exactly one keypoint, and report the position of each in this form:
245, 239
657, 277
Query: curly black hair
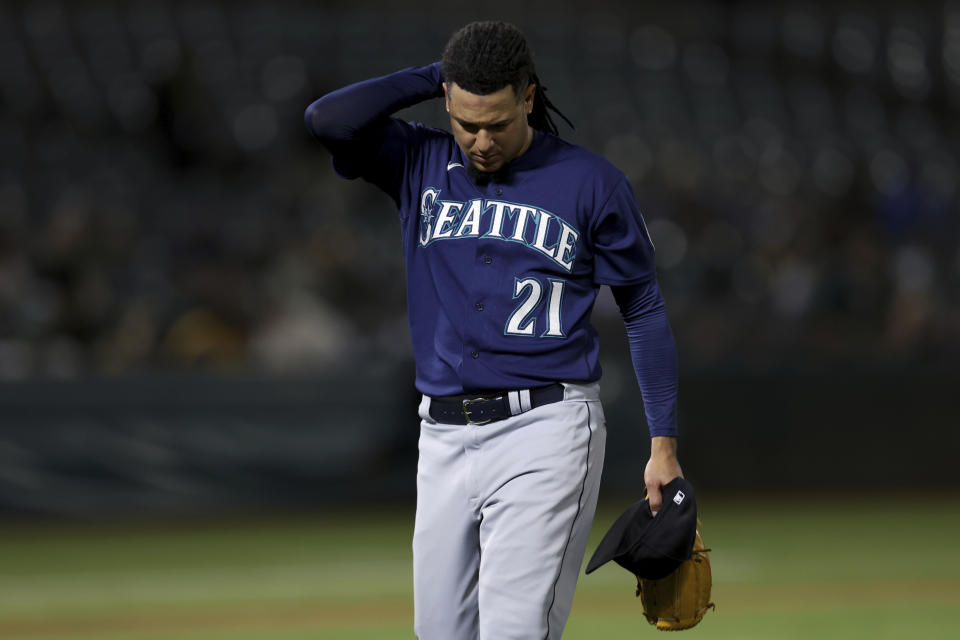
484, 57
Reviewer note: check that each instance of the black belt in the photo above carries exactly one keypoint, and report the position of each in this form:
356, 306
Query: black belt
480, 408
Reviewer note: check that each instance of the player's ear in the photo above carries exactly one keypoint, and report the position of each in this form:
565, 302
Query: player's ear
446, 97
528, 98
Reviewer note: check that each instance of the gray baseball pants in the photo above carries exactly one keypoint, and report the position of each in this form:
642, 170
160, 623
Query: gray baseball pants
503, 514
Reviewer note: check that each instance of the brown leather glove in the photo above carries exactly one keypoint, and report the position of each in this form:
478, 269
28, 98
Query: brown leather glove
680, 600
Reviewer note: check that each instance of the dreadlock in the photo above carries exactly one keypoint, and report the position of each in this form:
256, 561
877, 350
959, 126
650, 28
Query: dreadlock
484, 57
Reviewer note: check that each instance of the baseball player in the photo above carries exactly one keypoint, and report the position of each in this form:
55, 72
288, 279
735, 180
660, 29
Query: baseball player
508, 233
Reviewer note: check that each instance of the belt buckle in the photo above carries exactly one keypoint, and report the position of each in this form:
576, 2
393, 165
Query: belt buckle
466, 411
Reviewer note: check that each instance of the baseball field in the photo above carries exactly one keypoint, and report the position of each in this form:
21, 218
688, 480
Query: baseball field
784, 567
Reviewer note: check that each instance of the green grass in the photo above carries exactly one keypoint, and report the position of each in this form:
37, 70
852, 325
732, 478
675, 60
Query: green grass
852, 568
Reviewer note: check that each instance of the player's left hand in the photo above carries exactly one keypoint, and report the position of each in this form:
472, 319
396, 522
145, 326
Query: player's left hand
661, 468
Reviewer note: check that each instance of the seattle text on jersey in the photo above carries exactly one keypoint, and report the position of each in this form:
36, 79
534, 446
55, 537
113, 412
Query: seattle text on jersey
533, 227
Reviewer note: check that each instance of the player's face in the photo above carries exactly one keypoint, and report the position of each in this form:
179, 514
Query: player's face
492, 129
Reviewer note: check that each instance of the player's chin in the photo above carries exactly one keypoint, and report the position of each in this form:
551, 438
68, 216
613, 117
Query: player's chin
487, 165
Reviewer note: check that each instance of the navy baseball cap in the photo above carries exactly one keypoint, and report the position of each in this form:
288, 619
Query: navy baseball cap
649, 546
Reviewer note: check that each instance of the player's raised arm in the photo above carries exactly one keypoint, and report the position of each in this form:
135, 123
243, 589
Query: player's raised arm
354, 124
346, 115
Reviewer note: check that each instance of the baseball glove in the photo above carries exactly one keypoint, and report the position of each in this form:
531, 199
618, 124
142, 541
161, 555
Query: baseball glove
680, 600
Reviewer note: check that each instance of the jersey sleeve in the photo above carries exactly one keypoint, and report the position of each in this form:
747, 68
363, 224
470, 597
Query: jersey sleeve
653, 351
624, 253
356, 126
381, 156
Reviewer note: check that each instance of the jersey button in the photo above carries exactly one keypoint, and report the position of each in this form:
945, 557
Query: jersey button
475, 355
487, 259
499, 191
478, 306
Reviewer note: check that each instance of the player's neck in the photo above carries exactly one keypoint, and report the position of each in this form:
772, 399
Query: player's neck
527, 142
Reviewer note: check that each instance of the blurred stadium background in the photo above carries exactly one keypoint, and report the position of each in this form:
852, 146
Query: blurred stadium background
199, 320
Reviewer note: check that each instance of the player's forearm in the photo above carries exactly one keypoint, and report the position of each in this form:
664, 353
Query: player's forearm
341, 116
653, 352
663, 447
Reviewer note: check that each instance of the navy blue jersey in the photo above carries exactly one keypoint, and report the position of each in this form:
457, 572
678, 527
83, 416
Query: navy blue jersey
502, 277
502, 274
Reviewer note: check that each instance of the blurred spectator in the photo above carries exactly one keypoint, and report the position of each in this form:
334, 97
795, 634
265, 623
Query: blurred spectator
162, 206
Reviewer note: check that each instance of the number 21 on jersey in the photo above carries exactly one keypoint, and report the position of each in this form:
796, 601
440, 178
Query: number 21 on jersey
532, 291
